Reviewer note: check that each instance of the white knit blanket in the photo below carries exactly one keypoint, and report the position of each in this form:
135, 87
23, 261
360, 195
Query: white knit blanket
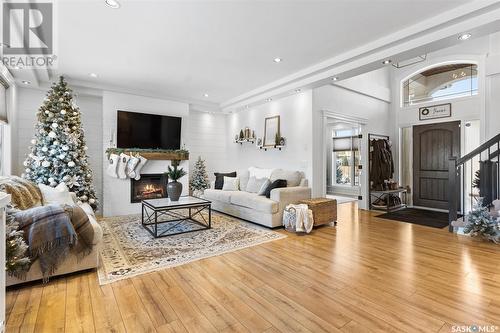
304, 221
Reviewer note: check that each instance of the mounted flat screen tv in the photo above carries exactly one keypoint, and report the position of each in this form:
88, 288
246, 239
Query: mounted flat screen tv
148, 131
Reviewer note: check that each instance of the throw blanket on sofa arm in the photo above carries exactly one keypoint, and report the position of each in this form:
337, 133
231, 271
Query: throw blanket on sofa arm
50, 235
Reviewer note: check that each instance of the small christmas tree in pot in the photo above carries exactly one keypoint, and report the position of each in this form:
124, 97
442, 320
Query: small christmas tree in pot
199, 179
58, 152
479, 222
174, 188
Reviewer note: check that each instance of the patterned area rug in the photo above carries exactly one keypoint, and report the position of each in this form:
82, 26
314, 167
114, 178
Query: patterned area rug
129, 250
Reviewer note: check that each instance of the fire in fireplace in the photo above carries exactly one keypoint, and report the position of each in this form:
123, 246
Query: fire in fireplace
150, 186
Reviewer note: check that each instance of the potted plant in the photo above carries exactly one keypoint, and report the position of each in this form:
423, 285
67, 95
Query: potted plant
174, 188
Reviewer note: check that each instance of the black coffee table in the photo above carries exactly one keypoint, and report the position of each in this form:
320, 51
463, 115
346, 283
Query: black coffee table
163, 217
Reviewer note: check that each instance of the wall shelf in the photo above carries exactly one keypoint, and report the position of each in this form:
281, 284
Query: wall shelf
271, 147
242, 141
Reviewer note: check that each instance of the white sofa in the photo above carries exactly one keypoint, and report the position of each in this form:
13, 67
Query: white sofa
258, 208
71, 263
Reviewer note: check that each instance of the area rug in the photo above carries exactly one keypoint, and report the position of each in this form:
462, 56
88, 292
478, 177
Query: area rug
428, 218
129, 250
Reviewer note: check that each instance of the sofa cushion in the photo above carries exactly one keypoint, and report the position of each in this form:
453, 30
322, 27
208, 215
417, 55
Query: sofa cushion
257, 185
244, 175
219, 178
254, 201
292, 177
231, 184
219, 195
278, 183
24, 194
260, 173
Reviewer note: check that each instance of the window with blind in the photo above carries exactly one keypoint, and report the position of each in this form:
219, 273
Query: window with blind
345, 157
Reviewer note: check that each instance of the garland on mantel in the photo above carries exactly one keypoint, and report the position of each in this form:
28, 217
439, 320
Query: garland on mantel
118, 151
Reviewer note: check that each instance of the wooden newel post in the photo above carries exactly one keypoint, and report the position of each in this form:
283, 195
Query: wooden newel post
452, 191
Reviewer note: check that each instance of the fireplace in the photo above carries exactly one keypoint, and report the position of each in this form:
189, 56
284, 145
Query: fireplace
150, 186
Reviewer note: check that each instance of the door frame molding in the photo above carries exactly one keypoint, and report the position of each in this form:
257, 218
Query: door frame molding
362, 122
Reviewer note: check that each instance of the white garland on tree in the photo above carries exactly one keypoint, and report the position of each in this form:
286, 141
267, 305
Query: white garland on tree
58, 150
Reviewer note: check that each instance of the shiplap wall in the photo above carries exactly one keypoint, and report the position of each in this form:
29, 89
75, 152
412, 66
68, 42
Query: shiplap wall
207, 137
29, 100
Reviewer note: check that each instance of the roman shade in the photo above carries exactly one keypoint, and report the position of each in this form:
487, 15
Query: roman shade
346, 143
3, 102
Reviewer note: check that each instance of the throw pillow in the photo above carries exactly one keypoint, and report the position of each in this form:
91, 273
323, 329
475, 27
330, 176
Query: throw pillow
264, 186
219, 179
255, 184
58, 195
231, 184
260, 173
278, 183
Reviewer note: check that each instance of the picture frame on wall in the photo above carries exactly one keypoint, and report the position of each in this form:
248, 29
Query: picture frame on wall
435, 111
271, 127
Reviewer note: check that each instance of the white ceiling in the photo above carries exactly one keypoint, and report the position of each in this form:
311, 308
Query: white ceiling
185, 48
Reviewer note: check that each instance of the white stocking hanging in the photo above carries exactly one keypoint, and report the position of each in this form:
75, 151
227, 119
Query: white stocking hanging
139, 166
112, 166
122, 166
131, 165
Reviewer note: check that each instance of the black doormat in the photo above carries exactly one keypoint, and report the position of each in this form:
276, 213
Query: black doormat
424, 217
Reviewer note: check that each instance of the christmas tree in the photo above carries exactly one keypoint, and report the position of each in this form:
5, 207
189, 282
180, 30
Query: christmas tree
17, 262
199, 178
58, 151
481, 223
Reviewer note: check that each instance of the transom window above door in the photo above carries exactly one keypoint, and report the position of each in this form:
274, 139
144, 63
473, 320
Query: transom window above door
439, 83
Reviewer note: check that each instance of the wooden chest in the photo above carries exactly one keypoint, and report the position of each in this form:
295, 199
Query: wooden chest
324, 210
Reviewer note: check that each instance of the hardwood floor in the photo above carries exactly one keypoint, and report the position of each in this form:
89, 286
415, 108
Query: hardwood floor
365, 275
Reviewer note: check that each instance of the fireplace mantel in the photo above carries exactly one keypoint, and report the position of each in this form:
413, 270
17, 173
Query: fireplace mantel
153, 154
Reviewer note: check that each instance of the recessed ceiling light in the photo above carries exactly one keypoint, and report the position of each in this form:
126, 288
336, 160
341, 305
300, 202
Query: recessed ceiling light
113, 4
335, 78
205, 95
387, 61
277, 60
464, 36
94, 75
26, 82
297, 90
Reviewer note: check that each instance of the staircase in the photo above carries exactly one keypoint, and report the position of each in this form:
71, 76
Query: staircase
474, 175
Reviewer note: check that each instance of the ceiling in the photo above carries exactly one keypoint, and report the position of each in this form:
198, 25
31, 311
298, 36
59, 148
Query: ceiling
185, 49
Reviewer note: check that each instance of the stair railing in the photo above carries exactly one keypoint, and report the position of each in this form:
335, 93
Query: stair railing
465, 184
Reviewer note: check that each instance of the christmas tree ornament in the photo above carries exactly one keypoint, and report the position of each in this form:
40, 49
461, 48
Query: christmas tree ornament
58, 151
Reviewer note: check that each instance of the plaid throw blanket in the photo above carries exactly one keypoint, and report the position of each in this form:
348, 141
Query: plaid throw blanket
51, 234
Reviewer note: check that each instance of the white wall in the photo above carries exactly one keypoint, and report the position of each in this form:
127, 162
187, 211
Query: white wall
207, 137
28, 102
295, 125
116, 192
339, 100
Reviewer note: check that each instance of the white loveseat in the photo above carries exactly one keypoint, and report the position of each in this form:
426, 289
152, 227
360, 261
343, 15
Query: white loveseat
72, 263
258, 208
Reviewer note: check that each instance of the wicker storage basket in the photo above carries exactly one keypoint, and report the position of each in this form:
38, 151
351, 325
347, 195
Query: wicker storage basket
324, 210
